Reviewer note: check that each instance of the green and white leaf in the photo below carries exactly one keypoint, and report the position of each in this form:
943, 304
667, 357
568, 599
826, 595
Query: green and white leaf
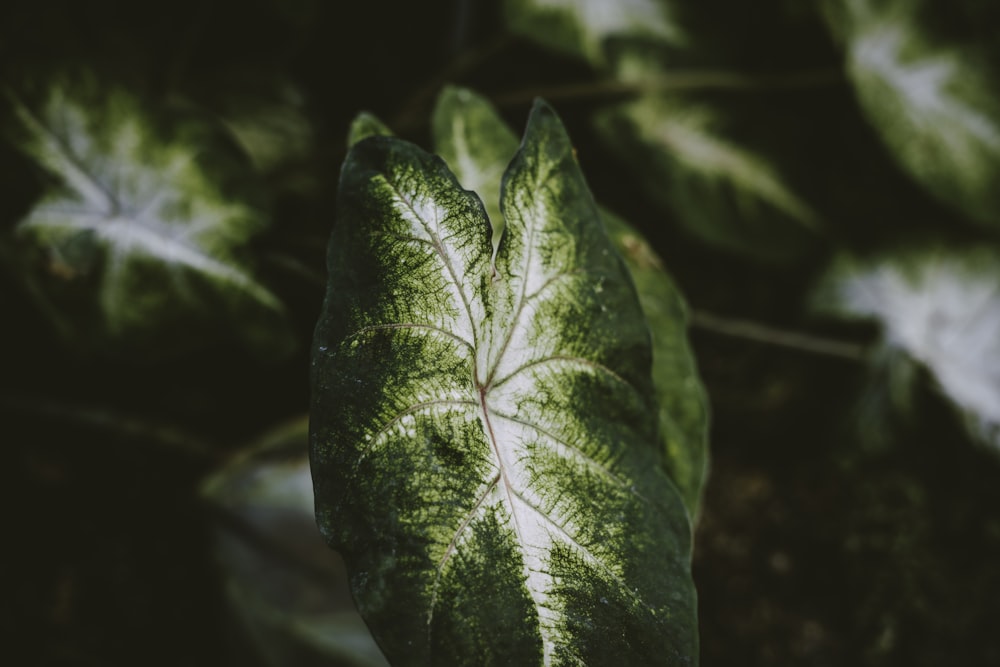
485, 443
724, 193
942, 308
476, 143
934, 103
581, 27
149, 214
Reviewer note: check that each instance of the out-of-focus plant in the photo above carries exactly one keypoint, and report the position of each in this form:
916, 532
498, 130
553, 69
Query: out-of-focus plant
139, 243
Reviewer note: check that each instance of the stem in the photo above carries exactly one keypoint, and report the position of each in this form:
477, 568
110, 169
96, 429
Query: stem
296, 267
674, 82
782, 338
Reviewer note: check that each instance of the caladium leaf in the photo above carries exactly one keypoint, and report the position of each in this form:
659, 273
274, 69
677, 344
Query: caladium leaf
148, 219
476, 143
581, 27
485, 443
933, 101
725, 193
939, 306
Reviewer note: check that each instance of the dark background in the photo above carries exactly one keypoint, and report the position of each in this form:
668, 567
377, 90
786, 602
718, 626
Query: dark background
812, 549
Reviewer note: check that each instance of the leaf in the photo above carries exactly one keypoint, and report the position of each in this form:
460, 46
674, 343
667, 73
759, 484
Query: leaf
581, 27
683, 404
485, 443
148, 219
476, 143
285, 588
933, 102
942, 308
364, 126
724, 193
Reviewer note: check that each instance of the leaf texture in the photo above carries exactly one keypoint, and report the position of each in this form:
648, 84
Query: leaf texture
485, 442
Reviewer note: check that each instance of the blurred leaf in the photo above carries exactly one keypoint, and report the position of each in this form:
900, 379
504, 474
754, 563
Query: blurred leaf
724, 193
147, 222
485, 439
940, 306
269, 122
935, 102
581, 27
476, 143
364, 126
287, 590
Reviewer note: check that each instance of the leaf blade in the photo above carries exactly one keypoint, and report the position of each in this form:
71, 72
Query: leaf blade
553, 513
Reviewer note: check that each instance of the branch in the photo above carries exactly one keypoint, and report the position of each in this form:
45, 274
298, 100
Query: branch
761, 333
674, 82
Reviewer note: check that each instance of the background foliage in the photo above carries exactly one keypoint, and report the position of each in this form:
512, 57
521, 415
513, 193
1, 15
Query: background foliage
820, 179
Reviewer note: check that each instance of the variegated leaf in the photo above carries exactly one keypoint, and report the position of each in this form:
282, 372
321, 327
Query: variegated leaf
721, 191
150, 218
933, 101
485, 440
581, 27
941, 308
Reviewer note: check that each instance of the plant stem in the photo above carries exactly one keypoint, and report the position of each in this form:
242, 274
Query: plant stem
673, 82
761, 333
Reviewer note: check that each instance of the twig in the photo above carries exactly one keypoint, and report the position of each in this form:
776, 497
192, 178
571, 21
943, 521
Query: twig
771, 336
673, 82
296, 267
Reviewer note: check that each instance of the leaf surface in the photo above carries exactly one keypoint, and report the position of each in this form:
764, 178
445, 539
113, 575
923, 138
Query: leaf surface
485, 442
